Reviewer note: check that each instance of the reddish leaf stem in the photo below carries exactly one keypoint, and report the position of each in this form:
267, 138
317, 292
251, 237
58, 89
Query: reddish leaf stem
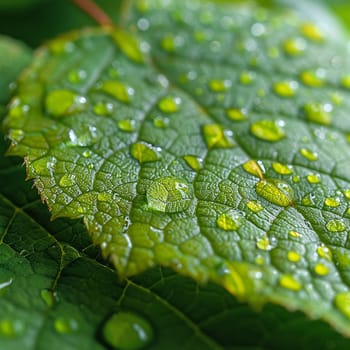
94, 11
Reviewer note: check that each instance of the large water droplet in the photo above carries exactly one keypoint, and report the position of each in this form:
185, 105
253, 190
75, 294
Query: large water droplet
332, 202
61, 103
129, 45
230, 221
319, 113
308, 154
293, 256
11, 328
336, 225
66, 325
144, 152
168, 194
253, 167
313, 78
342, 302
194, 162
216, 137
254, 206
289, 282
169, 104
286, 88
236, 114
312, 32
275, 191
295, 46
321, 269
127, 331
268, 130
282, 168
117, 89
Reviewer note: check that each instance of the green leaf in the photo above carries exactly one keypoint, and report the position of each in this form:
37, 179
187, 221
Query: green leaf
207, 138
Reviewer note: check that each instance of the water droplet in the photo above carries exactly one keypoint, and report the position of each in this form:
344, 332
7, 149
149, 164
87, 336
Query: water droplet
67, 180
345, 82
295, 234
319, 113
17, 109
129, 45
103, 108
194, 162
117, 89
313, 78
169, 104
336, 225
87, 153
259, 260
332, 202
75, 76
295, 46
168, 194
282, 168
66, 325
289, 282
60, 103
347, 193
342, 302
253, 167
127, 125
312, 32
324, 252
313, 178
254, 206
293, 256
275, 191
229, 221
16, 135
321, 269
219, 85
286, 88
257, 29
246, 77
105, 197
268, 130
48, 296
144, 152
85, 137
11, 328
127, 331
216, 137
143, 24
4, 286
236, 114
60, 46
160, 122
171, 43
308, 154
264, 244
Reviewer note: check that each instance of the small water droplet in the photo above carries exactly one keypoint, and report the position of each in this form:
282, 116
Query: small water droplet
194, 162
171, 43
255, 206
48, 296
293, 256
118, 90
275, 191
324, 252
264, 244
342, 302
229, 221
308, 154
282, 168
286, 88
296, 178
11, 328
268, 130
217, 85
332, 202
83, 138
336, 225
127, 125
246, 77
295, 46
295, 234
127, 331
312, 32
16, 135
144, 152
289, 282
345, 82
103, 108
105, 197
129, 45
216, 137
75, 76
258, 29
259, 260
236, 114
313, 78
67, 180
168, 194
321, 269
313, 178
253, 167
143, 24
160, 122
66, 325
319, 113
87, 153
169, 104
347, 193
60, 103
18, 109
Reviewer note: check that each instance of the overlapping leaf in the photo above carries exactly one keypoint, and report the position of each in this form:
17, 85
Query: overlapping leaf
216, 145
